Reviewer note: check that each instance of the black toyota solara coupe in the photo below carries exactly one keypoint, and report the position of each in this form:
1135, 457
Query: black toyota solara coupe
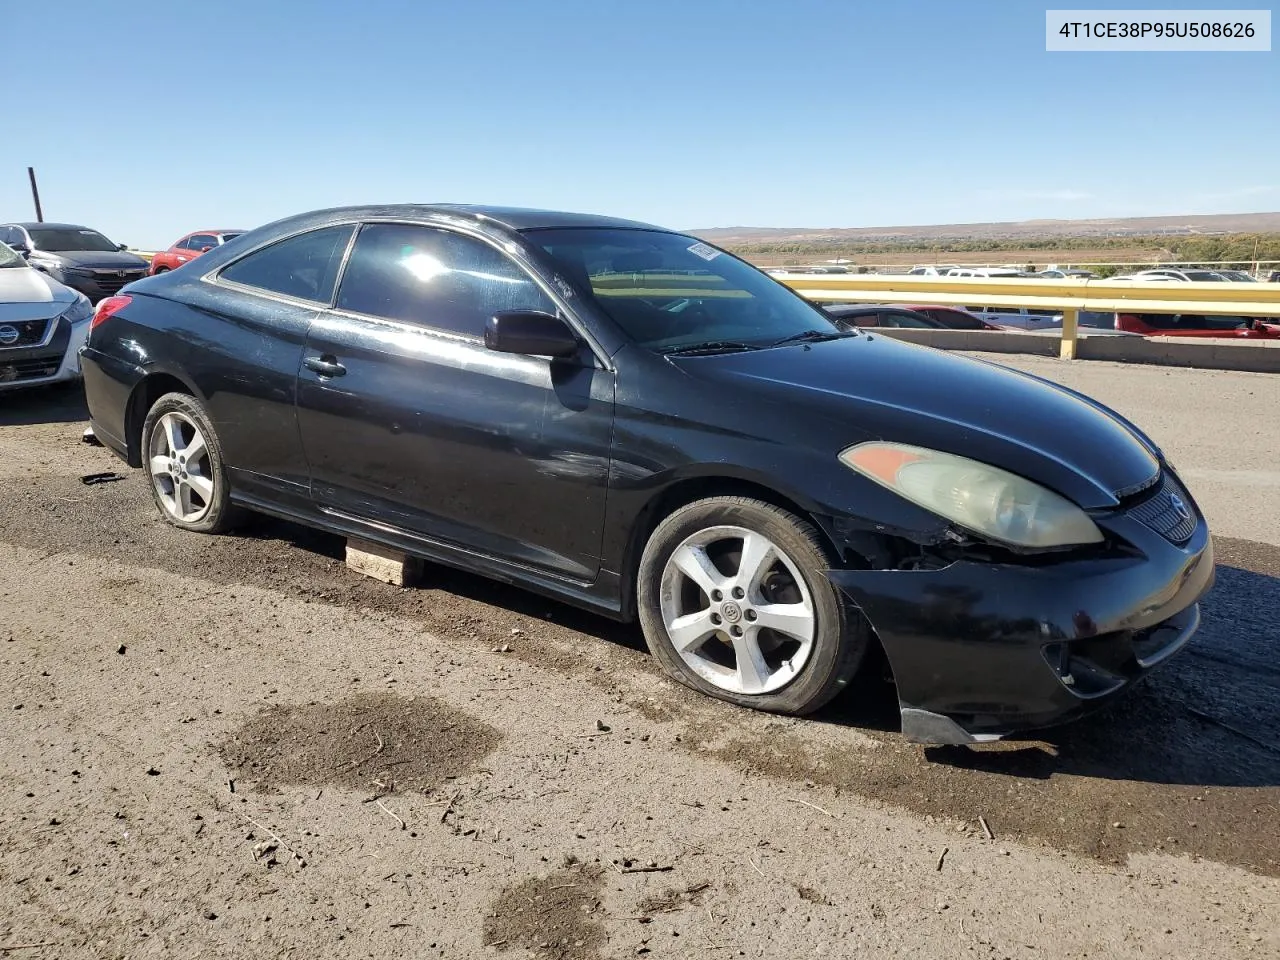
640, 423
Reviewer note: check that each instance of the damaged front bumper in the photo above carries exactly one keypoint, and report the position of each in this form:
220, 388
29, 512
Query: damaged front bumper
980, 651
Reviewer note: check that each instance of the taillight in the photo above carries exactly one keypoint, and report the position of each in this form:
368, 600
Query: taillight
108, 308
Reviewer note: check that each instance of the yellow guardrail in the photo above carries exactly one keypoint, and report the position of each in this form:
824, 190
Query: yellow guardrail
1067, 296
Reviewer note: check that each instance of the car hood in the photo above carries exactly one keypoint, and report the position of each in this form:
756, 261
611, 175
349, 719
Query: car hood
102, 259
27, 294
875, 387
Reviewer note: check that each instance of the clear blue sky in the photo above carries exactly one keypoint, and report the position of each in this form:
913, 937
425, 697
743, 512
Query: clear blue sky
147, 120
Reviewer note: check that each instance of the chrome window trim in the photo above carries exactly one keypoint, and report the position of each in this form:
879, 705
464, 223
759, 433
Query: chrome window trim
439, 222
214, 277
453, 226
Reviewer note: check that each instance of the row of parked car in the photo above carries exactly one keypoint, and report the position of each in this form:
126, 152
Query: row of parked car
1022, 319
51, 277
52, 274
1158, 274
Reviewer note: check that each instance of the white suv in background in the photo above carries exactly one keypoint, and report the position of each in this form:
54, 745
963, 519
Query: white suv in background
43, 324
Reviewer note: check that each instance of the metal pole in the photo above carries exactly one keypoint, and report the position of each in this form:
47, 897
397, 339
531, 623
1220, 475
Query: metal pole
1070, 330
35, 194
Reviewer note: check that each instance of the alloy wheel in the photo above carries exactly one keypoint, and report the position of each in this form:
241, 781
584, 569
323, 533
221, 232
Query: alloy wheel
180, 467
737, 610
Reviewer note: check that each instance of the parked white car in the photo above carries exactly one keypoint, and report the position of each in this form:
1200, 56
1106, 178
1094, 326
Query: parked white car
1186, 276
986, 272
1058, 273
43, 324
1024, 318
937, 270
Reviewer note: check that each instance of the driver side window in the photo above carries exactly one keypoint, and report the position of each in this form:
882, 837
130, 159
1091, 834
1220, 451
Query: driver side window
434, 278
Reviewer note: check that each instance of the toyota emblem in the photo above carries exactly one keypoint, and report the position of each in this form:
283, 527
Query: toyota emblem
8, 335
1179, 507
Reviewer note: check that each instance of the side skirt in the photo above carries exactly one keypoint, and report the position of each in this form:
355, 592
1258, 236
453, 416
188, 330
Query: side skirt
601, 597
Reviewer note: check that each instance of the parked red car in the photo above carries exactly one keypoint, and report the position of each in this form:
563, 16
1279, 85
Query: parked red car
190, 247
1194, 325
954, 318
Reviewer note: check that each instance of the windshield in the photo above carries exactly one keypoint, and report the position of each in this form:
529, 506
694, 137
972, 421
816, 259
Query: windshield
668, 291
70, 238
10, 259
226, 237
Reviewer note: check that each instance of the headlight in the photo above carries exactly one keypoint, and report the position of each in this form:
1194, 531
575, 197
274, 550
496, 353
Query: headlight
985, 499
79, 311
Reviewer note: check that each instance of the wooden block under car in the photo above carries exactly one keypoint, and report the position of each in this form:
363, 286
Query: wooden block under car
383, 563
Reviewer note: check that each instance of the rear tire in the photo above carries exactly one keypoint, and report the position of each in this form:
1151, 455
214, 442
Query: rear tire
734, 602
183, 459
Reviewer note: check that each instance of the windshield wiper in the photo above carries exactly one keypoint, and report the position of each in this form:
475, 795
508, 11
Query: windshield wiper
711, 346
813, 336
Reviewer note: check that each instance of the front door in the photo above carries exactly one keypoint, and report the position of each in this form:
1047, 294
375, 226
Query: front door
407, 419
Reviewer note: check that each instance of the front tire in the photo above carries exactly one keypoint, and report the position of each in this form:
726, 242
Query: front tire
183, 459
734, 602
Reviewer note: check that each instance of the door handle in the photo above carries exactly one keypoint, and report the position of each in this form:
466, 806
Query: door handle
326, 366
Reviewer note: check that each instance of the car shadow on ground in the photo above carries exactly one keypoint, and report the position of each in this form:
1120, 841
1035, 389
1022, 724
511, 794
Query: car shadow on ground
1210, 716
479, 589
63, 403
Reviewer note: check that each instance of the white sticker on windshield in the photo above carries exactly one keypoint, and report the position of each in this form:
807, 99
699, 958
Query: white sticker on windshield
705, 252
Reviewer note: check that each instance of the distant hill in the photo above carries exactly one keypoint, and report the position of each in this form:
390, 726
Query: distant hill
1226, 223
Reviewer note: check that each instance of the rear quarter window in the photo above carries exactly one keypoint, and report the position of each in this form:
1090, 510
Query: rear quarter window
304, 267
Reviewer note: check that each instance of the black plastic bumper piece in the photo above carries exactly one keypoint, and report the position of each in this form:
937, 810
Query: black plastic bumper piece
981, 651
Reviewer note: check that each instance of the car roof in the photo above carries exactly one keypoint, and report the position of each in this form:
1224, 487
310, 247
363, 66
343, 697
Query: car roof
847, 308
513, 218
28, 224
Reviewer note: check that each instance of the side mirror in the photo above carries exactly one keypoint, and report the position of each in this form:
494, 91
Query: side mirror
530, 332
21, 249
122, 246
205, 249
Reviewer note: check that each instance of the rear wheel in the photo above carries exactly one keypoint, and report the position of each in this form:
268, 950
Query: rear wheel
160, 270
183, 457
734, 602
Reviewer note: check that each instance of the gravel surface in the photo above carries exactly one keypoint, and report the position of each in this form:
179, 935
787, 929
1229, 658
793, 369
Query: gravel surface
235, 746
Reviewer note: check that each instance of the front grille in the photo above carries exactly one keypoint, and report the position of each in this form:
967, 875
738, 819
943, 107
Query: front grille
29, 369
1160, 511
30, 333
109, 283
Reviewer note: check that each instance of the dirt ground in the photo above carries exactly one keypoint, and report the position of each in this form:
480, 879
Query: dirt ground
236, 747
